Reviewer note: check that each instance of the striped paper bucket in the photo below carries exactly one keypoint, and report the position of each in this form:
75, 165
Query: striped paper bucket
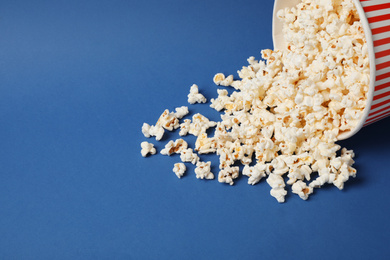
375, 17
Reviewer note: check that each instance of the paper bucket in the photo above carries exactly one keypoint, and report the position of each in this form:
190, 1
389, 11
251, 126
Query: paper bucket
375, 17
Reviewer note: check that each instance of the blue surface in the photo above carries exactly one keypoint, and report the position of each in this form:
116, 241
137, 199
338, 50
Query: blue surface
78, 79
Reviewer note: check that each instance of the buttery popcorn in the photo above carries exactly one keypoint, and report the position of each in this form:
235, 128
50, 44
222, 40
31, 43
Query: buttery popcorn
286, 112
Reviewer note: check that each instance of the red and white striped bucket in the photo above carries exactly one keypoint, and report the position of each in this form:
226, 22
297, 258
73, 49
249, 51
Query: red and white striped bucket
375, 17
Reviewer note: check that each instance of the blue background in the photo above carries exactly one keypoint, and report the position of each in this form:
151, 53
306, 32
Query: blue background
78, 79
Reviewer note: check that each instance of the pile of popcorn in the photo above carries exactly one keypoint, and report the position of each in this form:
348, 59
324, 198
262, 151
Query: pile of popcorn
284, 117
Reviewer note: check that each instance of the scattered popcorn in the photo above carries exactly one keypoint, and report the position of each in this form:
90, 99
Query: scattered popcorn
202, 171
302, 190
228, 174
188, 155
195, 96
147, 148
179, 169
174, 147
287, 111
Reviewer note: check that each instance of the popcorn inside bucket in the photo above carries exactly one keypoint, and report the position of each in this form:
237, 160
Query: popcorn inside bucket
286, 113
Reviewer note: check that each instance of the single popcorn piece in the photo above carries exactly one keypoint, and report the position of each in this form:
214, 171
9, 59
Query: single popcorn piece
146, 130
255, 173
168, 121
174, 147
151, 130
179, 169
219, 79
185, 127
228, 174
200, 124
302, 190
147, 148
188, 155
181, 112
156, 131
195, 96
203, 170
277, 187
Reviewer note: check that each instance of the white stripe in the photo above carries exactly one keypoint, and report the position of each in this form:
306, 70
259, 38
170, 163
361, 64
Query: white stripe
380, 36
378, 118
383, 71
374, 102
379, 24
382, 60
379, 108
376, 2
383, 81
378, 12
382, 91
383, 47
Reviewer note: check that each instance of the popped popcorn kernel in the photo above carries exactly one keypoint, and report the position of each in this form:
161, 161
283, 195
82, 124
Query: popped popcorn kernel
195, 96
179, 169
228, 174
302, 190
203, 171
147, 148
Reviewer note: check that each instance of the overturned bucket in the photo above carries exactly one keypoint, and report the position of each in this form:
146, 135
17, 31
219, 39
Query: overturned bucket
375, 18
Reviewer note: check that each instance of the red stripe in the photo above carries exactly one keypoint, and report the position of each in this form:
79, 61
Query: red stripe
377, 118
383, 76
380, 104
383, 65
381, 42
382, 54
385, 85
380, 110
379, 18
381, 29
382, 95
376, 7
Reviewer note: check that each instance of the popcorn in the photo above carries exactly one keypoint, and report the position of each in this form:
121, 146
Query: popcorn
181, 112
302, 190
146, 130
188, 155
185, 127
174, 147
200, 124
147, 148
288, 110
195, 96
277, 187
168, 120
202, 171
219, 79
255, 173
179, 169
228, 174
